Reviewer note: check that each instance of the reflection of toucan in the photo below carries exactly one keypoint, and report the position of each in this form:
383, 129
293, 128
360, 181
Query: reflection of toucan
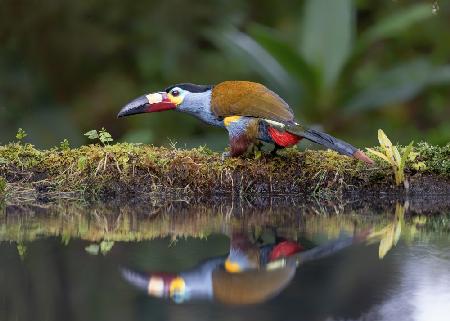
249, 274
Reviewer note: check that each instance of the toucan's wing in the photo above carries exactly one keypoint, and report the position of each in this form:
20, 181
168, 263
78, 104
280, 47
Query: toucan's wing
245, 98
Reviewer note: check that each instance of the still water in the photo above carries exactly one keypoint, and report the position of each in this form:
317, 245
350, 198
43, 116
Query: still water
103, 263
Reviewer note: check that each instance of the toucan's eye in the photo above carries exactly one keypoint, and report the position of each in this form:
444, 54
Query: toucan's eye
175, 92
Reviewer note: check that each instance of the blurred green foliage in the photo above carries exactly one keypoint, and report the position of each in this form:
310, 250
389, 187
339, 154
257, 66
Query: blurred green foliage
353, 66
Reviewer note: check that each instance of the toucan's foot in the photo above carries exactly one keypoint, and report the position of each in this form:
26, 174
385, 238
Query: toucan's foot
225, 155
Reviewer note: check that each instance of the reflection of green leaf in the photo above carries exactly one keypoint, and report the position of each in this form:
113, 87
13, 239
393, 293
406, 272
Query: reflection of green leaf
397, 85
326, 36
92, 249
22, 250
391, 233
392, 25
65, 238
106, 246
386, 242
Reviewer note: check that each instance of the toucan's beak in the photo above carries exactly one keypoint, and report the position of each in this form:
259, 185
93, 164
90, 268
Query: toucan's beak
148, 104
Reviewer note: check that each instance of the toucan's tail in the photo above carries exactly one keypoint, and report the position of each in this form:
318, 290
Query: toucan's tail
328, 141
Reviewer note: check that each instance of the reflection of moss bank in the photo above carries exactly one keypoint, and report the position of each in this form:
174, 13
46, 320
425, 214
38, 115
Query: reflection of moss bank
130, 170
131, 223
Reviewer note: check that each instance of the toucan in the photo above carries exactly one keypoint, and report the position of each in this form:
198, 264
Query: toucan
249, 111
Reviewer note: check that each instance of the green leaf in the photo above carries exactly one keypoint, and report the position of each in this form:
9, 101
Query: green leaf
21, 134
405, 155
92, 134
104, 136
379, 154
327, 30
394, 24
81, 163
397, 85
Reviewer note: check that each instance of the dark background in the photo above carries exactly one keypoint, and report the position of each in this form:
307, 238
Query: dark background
352, 66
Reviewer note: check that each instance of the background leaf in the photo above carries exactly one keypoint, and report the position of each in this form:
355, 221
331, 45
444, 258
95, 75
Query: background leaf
397, 85
327, 30
394, 24
246, 48
291, 60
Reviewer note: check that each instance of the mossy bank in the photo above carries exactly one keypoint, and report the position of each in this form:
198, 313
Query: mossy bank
128, 171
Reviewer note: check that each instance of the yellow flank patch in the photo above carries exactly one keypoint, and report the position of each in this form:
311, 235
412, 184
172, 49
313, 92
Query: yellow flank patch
231, 119
176, 100
232, 267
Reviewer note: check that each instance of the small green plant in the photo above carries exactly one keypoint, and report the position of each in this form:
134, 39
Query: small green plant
64, 145
102, 135
391, 155
21, 134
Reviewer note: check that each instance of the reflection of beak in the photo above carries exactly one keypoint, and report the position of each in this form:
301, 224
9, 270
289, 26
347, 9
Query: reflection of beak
148, 104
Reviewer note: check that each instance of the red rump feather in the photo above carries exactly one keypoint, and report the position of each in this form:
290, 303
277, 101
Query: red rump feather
283, 139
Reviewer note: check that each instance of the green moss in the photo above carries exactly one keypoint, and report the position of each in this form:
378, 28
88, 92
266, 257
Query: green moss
435, 158
123, 170
2, 185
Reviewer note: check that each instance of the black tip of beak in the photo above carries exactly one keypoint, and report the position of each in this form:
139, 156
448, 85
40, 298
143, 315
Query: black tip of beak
137, 106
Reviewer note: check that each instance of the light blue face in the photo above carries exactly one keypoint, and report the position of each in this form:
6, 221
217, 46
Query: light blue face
177, 95
198, 104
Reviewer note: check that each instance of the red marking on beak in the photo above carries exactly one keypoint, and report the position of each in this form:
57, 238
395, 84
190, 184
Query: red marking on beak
155, 106
148, 104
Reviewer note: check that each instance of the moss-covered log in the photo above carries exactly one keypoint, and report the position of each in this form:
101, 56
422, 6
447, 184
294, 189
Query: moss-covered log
140, 171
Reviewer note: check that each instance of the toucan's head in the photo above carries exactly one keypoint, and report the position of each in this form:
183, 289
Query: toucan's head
172, 97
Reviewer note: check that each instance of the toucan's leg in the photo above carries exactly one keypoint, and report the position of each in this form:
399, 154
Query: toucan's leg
275, 149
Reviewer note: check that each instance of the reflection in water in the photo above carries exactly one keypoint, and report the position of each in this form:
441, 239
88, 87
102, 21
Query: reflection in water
276, 265
252, 272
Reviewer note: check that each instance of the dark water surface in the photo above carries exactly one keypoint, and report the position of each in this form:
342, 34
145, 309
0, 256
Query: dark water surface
103, 264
